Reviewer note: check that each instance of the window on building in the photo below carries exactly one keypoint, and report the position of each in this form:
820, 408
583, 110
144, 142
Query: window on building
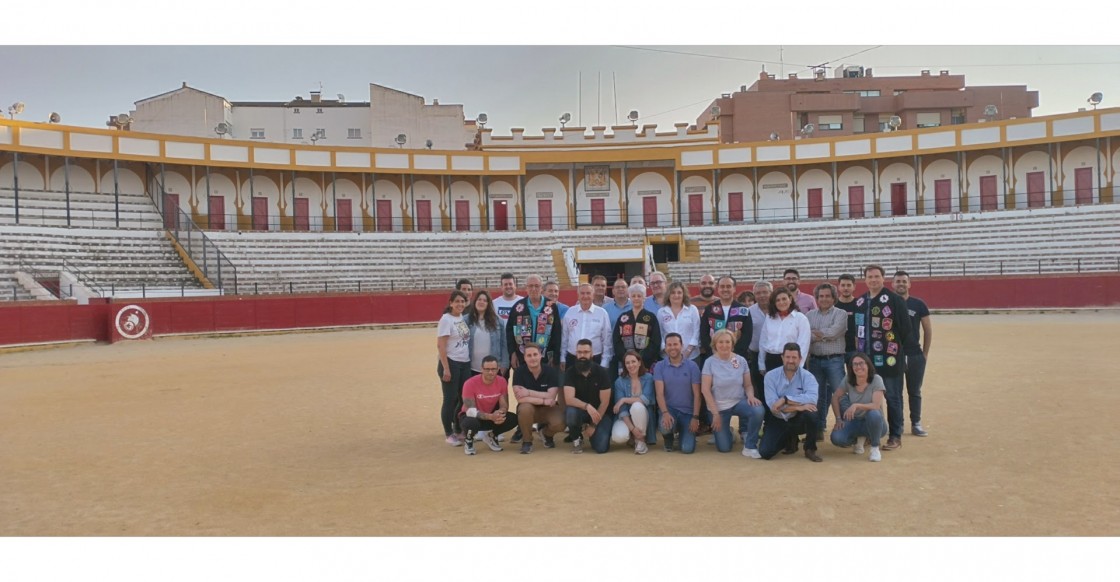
830, 122
256, 133
929, 119
353, 133
868, 93
295, 110
297, 133
318, 110
857, 123
958, 116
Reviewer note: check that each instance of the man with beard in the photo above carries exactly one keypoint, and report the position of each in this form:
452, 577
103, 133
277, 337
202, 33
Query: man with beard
791, 408
917, 350
485, 407
846, 286
707, 293
587, 393
805, 301
882, 329
509, 296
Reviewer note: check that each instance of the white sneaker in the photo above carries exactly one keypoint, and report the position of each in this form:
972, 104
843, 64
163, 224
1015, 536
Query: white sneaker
468, 447
858, 449
640, 448
876, 456
577, 446
488, 438
751, 453
502, 438
712, 440
453, 440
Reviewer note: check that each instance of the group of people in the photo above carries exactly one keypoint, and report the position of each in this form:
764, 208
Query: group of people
650, 359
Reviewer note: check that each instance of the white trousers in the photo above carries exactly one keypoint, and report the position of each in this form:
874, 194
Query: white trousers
639, 415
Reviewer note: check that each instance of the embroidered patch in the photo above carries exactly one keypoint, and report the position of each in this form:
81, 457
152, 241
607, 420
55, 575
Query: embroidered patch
573, 323
887, 311
877, 346
878, 360
888, 324
892, 348
720, 324
717, 310
520, 307
739, 312
874, 322
859, 302
735, 363
641, 329
890, 336
859, 319
627, 330
668, 317
540, 328
859, 332
876, 334
874, 311
891, 360
884, 299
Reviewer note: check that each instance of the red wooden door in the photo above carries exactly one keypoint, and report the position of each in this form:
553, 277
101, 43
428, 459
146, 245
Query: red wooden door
1083, 185
855, 202
696, 210
260, 213
462, 215
816, 209
598, 211
501, 215
423, 215
303, 214
898, 199
988, 199
649, 211
544, 215
384, 216
344, 222
170, 211
942, 192
217, 213
1036, 189
735, 206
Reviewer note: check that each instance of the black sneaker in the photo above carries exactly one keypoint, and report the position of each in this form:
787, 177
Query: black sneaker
516, 436
526, 448
569, 438
668, 443
549, 443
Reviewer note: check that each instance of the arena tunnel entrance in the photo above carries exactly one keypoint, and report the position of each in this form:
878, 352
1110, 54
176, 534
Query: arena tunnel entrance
611, 262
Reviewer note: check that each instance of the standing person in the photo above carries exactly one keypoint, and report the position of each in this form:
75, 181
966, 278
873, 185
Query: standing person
707, 293
676, 382
726, 385
723, 313
805, 302
882, 327
680, 317
585, 320
466, 287
599, 284
791, 407
488, 337
638, 330
453, 338
509, 297
536, 386
785, 324
828, 326
633, 397
862, 419
534, 320
486, 407
759, 312
657, 292
917, 349
552, 291
746, 298
587, 394
620, 302
846, 285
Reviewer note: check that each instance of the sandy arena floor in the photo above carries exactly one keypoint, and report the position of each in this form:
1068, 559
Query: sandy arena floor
338, 434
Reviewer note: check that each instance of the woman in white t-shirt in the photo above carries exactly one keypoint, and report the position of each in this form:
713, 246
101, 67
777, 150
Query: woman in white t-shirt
453, 338
679, 316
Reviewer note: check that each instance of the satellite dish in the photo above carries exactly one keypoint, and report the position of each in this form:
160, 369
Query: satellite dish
1095, 99
894, 122
124, 119
774, 136
428, 144
222, 128
808, 129
991, 111
54, 118
401, 139
633, 116
714, 111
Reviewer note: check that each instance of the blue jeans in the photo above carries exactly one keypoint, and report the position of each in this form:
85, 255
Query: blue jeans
829, 373
681, 421
575, 418
750, 420
915, 374
894, 405
870, 426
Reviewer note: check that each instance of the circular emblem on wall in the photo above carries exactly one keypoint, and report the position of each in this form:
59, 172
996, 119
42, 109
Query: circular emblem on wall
132, 322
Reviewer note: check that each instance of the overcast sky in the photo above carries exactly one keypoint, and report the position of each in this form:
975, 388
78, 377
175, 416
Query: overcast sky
527, 85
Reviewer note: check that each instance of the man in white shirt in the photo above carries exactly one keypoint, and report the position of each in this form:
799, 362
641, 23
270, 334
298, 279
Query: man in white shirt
509, 296
585, 320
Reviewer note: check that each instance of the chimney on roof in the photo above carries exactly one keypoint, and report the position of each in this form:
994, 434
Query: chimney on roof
792, 76
184, 84
867, 72
316, 96
763, 76
944, 73
925, 72
742, 88
435, 101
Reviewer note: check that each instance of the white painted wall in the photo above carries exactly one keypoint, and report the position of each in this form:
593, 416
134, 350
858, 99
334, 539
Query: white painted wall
1025, 164
424, 190
127, 181
815, 178
279, 123
30, 178
394, 112
708, 195
1080, 157
263, 186
541, 184
775, 202
80, 180
389, 190
735, 183
894, 173
507, 193
345, 189
642, 181
220, 186
985, 166
185, 111
942, 170
465, 189
856, 176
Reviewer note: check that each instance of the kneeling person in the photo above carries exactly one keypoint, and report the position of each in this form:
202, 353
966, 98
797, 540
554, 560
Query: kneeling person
486, 407
791, 400
676, 382
587, 392
536, 386
864, 393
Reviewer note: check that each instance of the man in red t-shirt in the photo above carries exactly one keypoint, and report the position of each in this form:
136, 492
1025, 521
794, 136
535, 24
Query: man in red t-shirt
486, 407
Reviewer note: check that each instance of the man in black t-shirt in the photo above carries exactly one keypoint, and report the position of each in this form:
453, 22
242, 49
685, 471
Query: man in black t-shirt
587, 392
882, 329
846, 286
537, 389
916, 348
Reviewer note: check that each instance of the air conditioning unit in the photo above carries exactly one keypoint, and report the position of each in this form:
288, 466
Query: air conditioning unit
853, 72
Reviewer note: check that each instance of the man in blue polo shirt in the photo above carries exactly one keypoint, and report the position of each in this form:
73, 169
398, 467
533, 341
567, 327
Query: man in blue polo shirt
676, 381
791, 408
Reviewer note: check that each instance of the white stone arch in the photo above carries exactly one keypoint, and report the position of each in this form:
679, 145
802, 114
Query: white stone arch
1112, 172
262, 187
177, 184
1083, 156
897, 173
775, 197
30, 178
612, 205
985, 165
942, 170
697, 186
1034, 161
547, 187
80, 180
220, 186
345, 189
309, 188
851, 177
128, 181
465, 189
647, 182
740, 184
425, 190
814, 178
390, 190
504, 191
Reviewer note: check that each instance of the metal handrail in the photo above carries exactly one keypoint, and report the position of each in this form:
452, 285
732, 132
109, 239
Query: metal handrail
205, 254
82, 278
